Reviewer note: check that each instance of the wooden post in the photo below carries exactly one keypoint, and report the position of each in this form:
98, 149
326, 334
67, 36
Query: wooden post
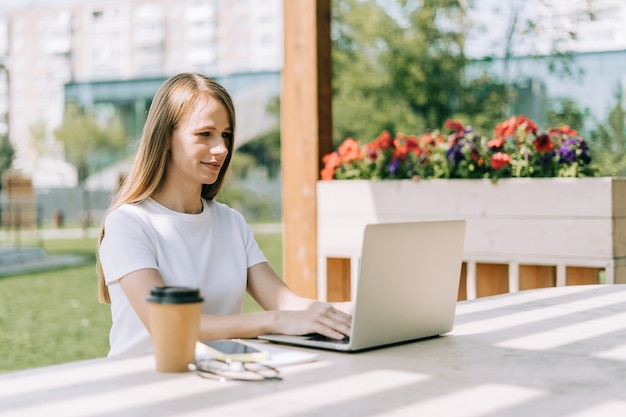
306, 134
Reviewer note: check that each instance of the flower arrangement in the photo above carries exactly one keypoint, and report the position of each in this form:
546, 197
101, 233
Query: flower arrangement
518, 148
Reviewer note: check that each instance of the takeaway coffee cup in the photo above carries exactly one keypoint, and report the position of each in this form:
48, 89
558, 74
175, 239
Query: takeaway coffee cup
174, 323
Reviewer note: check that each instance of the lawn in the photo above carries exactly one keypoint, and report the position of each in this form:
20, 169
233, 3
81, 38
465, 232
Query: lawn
54, 317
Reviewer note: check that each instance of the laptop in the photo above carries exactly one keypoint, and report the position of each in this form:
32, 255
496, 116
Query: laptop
407, 287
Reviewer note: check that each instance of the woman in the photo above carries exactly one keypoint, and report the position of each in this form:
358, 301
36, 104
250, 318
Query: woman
164, 228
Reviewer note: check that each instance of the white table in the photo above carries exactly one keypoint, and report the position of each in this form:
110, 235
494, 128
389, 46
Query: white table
549, 352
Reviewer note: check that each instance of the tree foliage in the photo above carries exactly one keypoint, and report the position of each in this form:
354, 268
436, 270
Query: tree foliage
608, 143
83, 138
425, 58
483, 102
522, 25
265, 148
7, 154
567, 112
362, 96
38, 133
400, 66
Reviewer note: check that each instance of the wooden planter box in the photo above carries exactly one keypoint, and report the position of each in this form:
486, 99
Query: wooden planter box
521, 233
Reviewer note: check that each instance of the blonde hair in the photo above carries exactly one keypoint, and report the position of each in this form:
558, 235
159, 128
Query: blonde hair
171, 103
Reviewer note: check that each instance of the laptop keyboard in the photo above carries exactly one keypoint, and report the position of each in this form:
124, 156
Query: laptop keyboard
322, 338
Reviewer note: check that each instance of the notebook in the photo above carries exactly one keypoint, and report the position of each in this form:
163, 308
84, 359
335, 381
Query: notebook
407, 287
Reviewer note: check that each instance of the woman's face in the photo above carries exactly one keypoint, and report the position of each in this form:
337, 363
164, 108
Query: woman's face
199, 144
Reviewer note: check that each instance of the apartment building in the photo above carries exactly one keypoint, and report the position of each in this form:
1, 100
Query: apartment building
598, 25
46, 46
116, 52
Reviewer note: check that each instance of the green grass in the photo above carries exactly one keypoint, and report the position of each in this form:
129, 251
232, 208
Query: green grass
54, 317
51, 317
272, 246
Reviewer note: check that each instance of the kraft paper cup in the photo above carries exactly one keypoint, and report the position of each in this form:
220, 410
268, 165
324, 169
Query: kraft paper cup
174, 325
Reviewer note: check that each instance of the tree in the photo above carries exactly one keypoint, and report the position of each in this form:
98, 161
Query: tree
265, 148
482, 103
400, 66
541, 30
7, 154
426, 57
527, 28
84, 140
567, 112
608, 143
362, 96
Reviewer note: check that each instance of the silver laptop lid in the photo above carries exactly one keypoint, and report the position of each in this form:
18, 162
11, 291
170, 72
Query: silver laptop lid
408, 282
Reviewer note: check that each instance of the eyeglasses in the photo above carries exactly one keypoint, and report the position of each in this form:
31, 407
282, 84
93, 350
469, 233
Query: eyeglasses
234, 371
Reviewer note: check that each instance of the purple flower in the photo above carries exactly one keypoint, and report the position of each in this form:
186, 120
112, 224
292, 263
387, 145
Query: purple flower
454, 154
567, 151
394, 165
584, 152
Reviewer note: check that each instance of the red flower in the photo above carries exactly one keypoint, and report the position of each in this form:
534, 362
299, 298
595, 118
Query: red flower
499, 160
495, 143
543, 143
429, 140
564, 130
331, 162
453, 139
404, 144
350, 150
381, 143
506, 128
529, 125
454, 125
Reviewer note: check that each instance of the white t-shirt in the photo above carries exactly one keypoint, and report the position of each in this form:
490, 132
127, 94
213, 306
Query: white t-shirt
211, 251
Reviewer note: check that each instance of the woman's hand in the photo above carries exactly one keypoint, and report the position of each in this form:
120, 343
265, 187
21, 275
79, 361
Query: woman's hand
345, 306
294, 315
319, 317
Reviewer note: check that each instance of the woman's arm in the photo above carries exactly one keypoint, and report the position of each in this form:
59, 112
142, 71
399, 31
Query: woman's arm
269, 290
288, 313
296, 315
137, 286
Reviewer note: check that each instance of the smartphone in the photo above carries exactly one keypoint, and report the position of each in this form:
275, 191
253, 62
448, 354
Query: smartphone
231, 350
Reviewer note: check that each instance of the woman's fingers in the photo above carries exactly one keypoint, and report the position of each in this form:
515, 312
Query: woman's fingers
319, 317
332, 322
